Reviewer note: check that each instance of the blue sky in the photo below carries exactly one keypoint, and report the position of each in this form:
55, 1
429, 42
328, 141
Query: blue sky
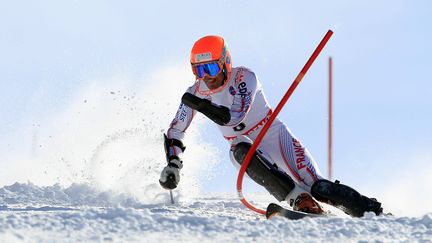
49, 50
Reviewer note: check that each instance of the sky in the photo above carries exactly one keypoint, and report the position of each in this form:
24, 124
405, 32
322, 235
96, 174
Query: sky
76, 75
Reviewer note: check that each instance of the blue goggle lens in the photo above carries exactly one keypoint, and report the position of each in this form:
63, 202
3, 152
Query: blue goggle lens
212, 69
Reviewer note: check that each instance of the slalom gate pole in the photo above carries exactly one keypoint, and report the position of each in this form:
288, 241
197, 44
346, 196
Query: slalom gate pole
330, 120
279, 107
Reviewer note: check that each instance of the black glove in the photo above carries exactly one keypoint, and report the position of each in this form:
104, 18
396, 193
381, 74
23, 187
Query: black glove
170, 175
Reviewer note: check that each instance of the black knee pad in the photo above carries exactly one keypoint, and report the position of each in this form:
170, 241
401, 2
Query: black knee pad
266, 174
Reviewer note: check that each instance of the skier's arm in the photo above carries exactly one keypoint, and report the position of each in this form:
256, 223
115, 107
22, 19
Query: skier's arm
174, 147
170, 175
218, 114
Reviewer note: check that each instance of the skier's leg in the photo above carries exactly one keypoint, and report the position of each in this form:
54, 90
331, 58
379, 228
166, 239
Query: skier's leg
304, 169
344, 197
293, 158
290, 155
276, 181
260, 170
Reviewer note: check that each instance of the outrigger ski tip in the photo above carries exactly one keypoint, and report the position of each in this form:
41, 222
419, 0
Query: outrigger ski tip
275, 210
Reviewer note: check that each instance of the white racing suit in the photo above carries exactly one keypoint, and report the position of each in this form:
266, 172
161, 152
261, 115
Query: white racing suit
249, 111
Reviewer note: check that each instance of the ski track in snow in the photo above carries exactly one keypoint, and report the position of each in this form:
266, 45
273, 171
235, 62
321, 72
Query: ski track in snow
79, 213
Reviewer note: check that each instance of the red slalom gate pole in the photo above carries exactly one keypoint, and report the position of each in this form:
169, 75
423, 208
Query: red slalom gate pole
330, 121
279, 107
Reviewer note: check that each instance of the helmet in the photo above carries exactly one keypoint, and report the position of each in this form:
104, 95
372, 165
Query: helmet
212, 48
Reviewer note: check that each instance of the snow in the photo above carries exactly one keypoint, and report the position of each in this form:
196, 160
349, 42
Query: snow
79, 212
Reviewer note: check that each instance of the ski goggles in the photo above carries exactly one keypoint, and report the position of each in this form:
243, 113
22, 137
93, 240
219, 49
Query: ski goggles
211, 68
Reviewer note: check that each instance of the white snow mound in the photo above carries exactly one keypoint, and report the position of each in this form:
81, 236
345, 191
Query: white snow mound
81, 213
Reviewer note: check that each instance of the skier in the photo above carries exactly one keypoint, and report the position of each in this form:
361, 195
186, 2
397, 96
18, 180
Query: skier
233, 98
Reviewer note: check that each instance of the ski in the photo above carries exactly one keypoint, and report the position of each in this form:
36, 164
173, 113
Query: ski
276, 210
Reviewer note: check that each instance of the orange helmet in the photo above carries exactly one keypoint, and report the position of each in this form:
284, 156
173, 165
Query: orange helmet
209, 49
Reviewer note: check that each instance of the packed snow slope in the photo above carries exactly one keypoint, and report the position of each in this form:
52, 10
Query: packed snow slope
80, 213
